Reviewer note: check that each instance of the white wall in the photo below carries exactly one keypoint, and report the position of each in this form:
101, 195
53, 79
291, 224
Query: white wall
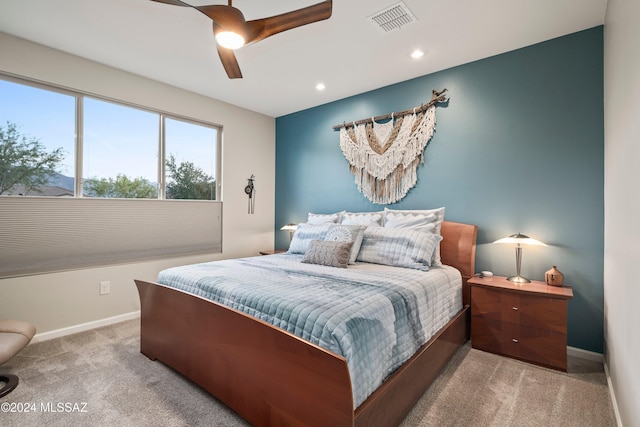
64, 300
622, 205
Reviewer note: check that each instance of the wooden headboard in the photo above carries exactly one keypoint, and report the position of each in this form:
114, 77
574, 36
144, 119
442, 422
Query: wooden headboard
458, 249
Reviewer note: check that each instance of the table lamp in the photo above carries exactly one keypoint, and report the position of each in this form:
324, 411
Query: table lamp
291, 228
519, 240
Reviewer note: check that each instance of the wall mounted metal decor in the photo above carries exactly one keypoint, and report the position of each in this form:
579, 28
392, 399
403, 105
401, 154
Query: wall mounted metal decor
250, 191
384, 151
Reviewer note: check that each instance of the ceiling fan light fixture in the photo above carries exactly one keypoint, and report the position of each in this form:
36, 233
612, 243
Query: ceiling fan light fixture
229, 39
230, 27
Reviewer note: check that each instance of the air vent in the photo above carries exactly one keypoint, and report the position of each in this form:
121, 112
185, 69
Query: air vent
393, 17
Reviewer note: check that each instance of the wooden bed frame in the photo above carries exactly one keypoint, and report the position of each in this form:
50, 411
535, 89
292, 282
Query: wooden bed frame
273, 378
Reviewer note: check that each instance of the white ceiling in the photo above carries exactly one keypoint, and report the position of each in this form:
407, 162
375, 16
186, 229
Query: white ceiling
347, 53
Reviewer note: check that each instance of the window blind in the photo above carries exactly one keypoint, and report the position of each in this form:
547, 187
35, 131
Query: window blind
42, 234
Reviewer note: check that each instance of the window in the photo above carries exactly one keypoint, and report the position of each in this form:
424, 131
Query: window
126, 152
107, 171
120, 151
190, 160
37, 141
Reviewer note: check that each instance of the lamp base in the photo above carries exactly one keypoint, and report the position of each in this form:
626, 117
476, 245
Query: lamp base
518, 279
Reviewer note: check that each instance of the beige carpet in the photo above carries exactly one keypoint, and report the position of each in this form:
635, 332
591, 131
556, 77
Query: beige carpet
99, 378
483, 389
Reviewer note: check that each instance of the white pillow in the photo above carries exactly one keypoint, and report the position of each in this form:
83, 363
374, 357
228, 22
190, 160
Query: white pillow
347, 233
363, 218
313, 218
417, 215
404, 220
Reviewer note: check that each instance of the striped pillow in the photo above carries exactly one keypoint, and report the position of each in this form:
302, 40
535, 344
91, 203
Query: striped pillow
398, 247
305, 233
405, 218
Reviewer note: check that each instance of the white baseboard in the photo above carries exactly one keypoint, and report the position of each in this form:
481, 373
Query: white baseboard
585, 354
598, 357
612, 393
84, 327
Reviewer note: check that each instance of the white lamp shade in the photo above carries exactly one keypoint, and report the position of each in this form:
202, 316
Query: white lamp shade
520, 239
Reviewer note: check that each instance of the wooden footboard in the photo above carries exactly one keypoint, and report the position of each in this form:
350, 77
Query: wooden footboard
267, 375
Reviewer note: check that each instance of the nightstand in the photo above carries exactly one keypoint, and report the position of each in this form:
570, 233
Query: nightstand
275, 251
525, 321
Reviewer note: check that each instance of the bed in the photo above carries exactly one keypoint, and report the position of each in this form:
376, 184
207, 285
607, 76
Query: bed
270, 376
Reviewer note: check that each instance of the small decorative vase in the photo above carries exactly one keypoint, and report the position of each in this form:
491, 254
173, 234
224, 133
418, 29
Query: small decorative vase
554, 277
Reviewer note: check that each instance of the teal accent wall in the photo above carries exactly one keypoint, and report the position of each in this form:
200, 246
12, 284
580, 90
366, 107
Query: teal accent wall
518, 148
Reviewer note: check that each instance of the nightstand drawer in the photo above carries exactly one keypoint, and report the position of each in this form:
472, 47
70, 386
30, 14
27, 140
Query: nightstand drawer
520, 309
490, 335
540, 346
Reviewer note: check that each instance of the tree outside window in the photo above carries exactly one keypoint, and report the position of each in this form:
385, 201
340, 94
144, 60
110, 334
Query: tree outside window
186, 181
25, 164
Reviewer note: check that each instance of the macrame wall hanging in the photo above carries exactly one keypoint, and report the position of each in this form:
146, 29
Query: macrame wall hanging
384, 156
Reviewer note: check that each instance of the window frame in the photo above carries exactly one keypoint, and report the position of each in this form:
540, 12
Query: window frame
79, 97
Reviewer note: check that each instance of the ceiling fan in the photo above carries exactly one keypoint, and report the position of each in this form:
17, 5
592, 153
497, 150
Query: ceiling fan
232, 31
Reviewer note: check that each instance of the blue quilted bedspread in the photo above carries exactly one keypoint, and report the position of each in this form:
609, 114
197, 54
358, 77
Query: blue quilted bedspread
375, 316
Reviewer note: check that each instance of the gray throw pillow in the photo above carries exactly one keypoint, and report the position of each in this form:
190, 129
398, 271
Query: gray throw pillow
328, 252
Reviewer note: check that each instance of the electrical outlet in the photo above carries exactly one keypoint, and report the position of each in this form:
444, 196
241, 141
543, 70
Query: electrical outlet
105, 288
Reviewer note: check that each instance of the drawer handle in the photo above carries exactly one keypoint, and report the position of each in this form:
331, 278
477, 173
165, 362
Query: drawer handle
514, 340
515, 308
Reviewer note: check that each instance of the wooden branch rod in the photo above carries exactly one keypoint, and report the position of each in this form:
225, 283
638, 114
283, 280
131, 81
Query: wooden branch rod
436, 98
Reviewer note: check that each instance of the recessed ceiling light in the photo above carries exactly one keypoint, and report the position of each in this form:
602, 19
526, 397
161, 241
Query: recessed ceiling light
320, 86
417, 54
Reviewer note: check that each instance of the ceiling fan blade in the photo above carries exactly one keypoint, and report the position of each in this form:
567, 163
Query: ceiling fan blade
259, 29
173, 2
217, 12
229, 61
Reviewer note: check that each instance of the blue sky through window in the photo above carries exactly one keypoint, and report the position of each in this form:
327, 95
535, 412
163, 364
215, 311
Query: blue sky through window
45, 115
119, 140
